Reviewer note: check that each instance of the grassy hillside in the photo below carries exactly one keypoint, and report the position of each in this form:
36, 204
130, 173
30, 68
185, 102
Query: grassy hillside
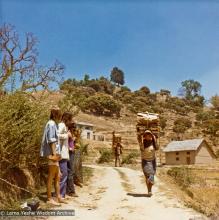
110, 107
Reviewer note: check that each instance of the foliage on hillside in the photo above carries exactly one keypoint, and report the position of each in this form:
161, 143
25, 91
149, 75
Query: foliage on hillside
181, 125
102, 97
21, 124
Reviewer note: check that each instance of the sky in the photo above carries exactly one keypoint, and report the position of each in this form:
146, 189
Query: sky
157, 44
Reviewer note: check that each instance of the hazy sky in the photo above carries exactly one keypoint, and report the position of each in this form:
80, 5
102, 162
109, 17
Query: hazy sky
157, 44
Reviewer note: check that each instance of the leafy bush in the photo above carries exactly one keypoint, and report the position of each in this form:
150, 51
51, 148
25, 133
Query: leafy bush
105, 156
157, 109
165, 92
180, 105
84, 148
211, 126
127, 98
125, 89
95, 85
98, 85
215, 102
143, 91
139, 106
181, 125
101, 104
130, 158
204, 116
163, 122
21, 124
69, 84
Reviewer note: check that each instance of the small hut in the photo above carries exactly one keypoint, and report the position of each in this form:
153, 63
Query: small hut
87, 130
195, 151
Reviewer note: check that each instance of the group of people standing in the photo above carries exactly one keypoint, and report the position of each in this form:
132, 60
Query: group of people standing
60, 144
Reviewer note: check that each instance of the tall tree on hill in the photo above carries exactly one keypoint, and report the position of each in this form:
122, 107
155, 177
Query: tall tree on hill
18, 62
117, 76
86, 78
190, 89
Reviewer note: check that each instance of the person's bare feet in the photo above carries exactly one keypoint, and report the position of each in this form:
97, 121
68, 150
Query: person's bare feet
67, 197
53, 202
73, 195
149, 194
61, 200
78, 184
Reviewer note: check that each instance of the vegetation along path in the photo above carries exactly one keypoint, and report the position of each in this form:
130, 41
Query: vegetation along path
120, 193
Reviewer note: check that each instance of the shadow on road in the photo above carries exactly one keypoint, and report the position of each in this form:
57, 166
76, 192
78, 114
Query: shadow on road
138, 194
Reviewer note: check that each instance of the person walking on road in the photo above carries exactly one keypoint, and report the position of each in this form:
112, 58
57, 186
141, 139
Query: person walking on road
148, 146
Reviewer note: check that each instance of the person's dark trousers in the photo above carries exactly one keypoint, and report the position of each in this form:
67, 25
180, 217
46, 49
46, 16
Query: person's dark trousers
64, 176
70, 181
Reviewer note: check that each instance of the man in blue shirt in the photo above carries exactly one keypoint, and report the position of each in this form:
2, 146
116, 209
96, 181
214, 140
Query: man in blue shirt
51, 150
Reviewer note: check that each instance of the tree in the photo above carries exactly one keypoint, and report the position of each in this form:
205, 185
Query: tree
205, 115
145, 90
102, 104
181, 125
19, 65
69, 84
211, 126
163, 122
86, 79
117, 76
190, 89
215, 102
165, 92
125, 89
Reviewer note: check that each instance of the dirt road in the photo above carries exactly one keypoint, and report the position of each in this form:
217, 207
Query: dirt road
120, 193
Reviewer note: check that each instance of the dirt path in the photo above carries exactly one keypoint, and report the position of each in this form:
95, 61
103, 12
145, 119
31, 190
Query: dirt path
120, 193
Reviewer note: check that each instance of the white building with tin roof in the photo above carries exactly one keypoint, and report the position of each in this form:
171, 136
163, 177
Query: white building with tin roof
194, 151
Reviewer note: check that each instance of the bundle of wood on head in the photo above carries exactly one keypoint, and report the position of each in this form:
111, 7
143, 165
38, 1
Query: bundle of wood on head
148, 121
116, 138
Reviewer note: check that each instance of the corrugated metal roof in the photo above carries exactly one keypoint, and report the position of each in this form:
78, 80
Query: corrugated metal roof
183, 145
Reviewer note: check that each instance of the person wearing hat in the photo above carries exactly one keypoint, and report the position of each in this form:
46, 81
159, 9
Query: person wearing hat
148, 146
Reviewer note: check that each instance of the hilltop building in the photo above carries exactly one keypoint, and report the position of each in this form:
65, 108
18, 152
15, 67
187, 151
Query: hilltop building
87, 132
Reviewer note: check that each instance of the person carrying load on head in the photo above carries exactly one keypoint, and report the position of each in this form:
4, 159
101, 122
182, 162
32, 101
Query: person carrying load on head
147, 133
148, 146
117, 148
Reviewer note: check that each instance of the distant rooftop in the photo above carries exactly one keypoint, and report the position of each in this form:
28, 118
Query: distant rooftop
192, 144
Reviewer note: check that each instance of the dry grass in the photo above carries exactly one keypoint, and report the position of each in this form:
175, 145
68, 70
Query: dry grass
201, 192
